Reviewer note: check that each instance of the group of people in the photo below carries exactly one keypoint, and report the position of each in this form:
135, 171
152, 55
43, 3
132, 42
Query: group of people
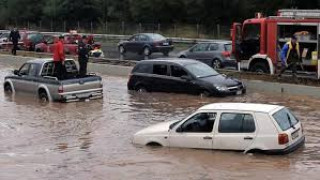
59, 57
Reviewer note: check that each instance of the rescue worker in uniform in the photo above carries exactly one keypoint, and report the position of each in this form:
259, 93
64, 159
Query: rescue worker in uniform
290, 56
83, 56
14, 38
59, 58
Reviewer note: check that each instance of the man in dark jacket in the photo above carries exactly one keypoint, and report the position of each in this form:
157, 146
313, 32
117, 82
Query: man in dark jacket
14, 38
83, 56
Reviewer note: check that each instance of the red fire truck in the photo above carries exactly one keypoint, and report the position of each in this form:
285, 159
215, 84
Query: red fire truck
257, 42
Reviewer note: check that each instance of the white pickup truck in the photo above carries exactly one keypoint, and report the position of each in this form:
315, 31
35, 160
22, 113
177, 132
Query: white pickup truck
37, 77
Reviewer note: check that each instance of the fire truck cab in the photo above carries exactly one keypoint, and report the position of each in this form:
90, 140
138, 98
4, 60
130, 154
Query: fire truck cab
257, 42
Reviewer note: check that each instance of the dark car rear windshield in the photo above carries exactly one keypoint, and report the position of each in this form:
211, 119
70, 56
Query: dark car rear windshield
157, 37
228, 47
201, 70
285, 119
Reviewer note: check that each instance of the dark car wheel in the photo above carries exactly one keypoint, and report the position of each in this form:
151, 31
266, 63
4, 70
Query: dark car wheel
166, 53
122, 50
205, 93
182, 56
146, 51
141, 89
8, 88
216, 64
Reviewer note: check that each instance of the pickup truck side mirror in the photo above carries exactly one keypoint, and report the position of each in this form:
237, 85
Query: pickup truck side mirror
16, 72
187, 78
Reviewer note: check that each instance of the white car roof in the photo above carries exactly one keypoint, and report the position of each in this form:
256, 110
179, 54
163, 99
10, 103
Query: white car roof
267, 108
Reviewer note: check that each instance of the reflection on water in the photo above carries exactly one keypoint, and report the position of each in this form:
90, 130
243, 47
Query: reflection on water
92, 140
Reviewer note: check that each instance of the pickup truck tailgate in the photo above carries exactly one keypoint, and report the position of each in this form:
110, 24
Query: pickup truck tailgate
82, 88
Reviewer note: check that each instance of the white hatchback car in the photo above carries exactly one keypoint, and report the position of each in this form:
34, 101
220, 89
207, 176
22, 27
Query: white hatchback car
271, 129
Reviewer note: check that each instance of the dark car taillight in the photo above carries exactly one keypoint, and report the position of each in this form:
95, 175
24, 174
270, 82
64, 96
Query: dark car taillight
283, 139
226, 54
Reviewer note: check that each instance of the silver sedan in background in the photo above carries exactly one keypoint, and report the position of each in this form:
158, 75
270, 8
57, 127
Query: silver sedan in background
216, 54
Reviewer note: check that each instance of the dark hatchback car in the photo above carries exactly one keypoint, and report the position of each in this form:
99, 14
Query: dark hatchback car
216, 54
182, 76
146, 44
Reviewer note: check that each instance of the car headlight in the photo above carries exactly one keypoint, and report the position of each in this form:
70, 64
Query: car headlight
221, 88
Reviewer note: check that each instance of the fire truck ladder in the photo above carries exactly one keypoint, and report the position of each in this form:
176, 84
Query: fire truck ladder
299, 13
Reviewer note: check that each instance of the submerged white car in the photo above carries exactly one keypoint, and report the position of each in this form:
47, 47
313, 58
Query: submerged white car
270, 129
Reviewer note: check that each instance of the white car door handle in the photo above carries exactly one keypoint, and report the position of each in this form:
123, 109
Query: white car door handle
248, 138
207, 138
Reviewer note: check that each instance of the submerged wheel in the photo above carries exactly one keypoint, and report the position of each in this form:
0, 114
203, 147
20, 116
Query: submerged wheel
8, 89
43, 97
141, 89
205, 93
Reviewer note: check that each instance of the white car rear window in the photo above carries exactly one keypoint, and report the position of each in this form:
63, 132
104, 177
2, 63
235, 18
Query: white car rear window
285, 119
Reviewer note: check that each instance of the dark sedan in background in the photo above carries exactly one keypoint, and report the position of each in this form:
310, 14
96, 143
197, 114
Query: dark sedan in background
182, 76
216, 54
146, 44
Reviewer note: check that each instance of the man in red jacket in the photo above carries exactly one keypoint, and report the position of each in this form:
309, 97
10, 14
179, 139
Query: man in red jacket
58, 58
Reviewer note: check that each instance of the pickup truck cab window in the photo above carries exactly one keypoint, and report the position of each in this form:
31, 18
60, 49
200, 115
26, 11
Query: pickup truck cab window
48, 69
33, 70
24, 70
236, 123
199, 123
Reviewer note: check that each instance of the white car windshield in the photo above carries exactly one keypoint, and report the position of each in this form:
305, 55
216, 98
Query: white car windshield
201, 70
285, 119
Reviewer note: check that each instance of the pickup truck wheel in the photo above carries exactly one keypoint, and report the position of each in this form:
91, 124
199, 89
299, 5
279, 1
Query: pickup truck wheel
43, 97
8, 89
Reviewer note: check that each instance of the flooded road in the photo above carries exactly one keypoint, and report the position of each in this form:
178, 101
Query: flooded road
92, 140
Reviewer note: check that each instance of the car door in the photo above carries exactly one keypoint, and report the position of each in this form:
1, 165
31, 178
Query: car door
18, 82
143, 41
132, 43
236, 131
195, 132
180, 80
160, 78
198, 52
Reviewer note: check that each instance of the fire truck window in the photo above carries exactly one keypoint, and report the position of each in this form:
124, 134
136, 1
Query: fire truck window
252, 32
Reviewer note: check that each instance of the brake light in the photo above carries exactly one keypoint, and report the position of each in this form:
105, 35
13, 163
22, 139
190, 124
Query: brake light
283, 138
226, 54
60, 89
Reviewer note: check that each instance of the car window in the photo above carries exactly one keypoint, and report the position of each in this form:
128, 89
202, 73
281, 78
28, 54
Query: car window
35, 38
157, 37
134, 38
160, 69
143, 68
251, 32
144, 38
228, 47
201, 47
285, 119
48, 69
199, 123
24, 70
71, 67
236, 123
33, 70
177, 71
214, 47
201, 70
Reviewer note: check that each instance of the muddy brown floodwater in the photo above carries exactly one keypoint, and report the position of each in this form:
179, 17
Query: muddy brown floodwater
92, 140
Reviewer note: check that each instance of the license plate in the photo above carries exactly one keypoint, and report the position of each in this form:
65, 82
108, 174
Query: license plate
239, 92
166, 44
295, 134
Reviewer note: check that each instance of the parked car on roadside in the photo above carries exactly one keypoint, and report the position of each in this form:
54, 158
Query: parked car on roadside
146, 44
244, 127
4, 36
216, 54
37, 77
30, 39
182, 76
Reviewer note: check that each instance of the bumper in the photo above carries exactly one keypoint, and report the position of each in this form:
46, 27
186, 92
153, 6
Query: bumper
289, 149
162, 48
230, 93
73, 97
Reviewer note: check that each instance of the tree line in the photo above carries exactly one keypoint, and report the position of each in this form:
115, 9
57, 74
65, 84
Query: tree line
152, 11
